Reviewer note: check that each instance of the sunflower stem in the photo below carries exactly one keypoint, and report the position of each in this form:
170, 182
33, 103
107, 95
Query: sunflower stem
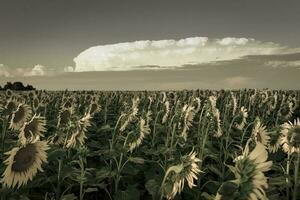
82, 175
5, 121
296, 177
154, 129
287, 177
58, 178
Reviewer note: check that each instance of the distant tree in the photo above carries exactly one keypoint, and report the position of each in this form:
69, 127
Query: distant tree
18, 86
8, 86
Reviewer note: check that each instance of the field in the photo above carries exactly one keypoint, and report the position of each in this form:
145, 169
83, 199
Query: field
201, 144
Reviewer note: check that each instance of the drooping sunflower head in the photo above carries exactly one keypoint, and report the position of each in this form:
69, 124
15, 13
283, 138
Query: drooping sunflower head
290, 138
286, 110
23, 163
260, 134
176, 175
8, 93
94, 108
232, 104
249, 172
32, 129
215, 122
241, 118
79, 135
64, 116
167, 111
20, 116
10, 107
136, 140
274, 140
30, 95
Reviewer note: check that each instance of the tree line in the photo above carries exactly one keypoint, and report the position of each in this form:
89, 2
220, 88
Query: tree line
19, 86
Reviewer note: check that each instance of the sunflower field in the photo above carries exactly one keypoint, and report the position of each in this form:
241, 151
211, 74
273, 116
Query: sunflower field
201, 144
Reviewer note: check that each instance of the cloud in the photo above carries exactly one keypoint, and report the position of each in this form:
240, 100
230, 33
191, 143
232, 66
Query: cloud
3, 71
37, 70
283, 64
69, 69
172, 53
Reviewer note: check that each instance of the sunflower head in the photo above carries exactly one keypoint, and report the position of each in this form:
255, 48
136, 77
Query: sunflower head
36, 103
79, 135
274, 140
176, 175
10, 107
23, 163
32, 129
286, 110
8, 93
249, 172
241, 119
20, 116
290, 138
260, 134
136, 140
64, 116
94, 108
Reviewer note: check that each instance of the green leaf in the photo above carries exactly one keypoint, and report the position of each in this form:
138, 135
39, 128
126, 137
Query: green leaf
91, 190
69, 197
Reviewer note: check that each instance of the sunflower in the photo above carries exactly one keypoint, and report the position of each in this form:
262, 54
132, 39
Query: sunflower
143, 131
241, 119
131, 115
64, 116
188, 116
32, 129
23, 163
274, 140
94, 108
273, 102
176, 175
10, 107
198, 104
8, 93
286, 110
260, 134
249, 173
215, 122
290, 138
166, 115
20, 116
232, 105
36, 103
79, 135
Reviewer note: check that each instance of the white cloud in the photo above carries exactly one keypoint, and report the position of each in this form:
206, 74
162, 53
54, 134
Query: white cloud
69, 69
3, 71
171, 53
37, 70
282, 64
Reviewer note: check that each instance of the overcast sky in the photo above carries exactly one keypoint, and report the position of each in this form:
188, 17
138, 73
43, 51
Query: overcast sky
142, 44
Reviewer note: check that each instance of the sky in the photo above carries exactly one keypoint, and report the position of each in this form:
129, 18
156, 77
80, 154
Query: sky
140, 44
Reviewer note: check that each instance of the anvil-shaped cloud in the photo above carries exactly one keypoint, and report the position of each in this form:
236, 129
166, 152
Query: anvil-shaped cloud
172, 53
